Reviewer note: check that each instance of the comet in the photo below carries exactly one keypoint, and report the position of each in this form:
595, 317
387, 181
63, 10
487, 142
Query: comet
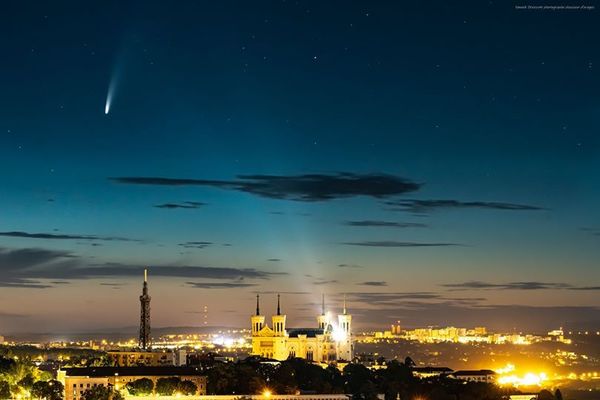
112, 89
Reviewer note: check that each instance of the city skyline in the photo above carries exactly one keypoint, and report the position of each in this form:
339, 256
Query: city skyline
437, 165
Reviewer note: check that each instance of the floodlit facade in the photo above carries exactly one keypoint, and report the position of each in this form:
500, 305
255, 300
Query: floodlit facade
147, 358
330, 341
77, 380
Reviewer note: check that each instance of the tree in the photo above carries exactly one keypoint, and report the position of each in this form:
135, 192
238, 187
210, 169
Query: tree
284, 381
545, 395
27, 382
6, 364
409, 362
187, 388
140, 387
102, 393
394, 379
360, 382
335, 379
50, 390
167, 386
222, 379
4, 390
558, 394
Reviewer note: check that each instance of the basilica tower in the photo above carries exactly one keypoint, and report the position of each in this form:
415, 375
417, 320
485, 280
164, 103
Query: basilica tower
345, 349
258, 321
322, 319
280, 351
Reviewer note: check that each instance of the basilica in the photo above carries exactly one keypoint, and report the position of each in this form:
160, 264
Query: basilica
330, 341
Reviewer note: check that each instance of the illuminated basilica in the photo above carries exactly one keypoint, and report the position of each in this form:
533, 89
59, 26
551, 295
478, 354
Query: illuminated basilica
330, 341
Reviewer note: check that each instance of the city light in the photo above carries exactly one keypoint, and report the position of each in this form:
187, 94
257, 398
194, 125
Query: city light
338, 334
529, 379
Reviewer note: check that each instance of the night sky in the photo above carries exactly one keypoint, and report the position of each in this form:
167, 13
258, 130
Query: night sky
438, 163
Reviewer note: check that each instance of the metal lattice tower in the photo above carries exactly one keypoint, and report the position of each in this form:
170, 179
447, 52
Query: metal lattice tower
144, 342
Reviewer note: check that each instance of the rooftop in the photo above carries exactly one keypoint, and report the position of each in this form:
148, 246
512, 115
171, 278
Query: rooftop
132, 371
309, 332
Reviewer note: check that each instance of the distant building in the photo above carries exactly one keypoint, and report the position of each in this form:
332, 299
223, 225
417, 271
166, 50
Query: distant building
330, 341
77, 380
428, 372
481, 375
147, 358
1, 339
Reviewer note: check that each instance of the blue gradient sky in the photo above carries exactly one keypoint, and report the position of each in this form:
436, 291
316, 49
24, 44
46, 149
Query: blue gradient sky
478, 103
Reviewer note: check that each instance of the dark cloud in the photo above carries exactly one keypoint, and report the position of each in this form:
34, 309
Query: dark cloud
36, 268
114, 269
185, 204
14, 262
428, 206
309, 187
584, 288
591, 231
349, 266
373, 283
195, 245
277, 292
219, 285
325, 282
391, 243
385, 224
274, 259
390, 297
12, 315
58, 236
526, 285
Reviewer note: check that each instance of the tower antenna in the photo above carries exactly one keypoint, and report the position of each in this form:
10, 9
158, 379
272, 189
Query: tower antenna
322, 303
278, 307
344, 303
257, 305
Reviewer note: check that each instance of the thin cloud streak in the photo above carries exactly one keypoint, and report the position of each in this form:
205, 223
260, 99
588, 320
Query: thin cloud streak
391, 243
60, 236
307, 187
428, 206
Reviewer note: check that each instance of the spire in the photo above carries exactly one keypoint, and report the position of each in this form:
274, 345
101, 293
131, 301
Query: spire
322, 303
257, 305
344, 303
278, 307
145, 274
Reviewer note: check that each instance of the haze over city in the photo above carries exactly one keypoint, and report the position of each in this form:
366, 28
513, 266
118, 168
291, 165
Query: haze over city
436, 165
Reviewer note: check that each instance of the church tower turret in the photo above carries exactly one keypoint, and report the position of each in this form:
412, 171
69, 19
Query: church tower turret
280, 351
344, 340
258, 321
279, 320
322, 319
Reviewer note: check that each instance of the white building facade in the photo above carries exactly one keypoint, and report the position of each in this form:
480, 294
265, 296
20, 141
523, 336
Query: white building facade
330, 341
